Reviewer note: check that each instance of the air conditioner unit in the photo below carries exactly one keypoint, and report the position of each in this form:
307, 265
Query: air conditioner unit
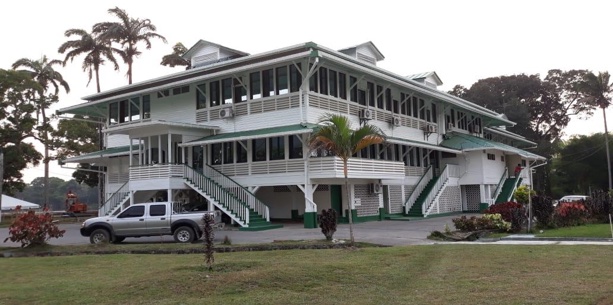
366, 114
226, 113
375, 188
477, 129
396, 121
449, 126
430, 128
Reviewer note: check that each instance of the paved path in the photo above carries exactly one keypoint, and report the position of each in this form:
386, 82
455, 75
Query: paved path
386, 232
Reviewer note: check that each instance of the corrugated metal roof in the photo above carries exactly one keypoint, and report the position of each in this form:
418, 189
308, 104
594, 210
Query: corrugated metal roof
109, 152
421, 144
253, 134
466, 142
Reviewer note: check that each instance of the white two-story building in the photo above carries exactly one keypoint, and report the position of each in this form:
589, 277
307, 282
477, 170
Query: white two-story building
232, 132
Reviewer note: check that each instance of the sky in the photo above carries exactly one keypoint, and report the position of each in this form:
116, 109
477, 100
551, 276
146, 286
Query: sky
463, 41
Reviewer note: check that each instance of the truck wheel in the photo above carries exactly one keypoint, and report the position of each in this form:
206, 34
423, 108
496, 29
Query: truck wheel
118, 239
99, 236
184, 235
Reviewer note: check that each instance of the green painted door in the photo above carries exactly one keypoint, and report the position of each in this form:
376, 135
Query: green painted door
336, 199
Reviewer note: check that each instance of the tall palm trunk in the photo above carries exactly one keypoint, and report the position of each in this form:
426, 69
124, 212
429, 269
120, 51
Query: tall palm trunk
46, 160
97, 79
606, 143
351, 239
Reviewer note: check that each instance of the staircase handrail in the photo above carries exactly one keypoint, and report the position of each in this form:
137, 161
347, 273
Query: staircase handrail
438, 185
114, 200
237, 190
500, 183
228, 202
419, 187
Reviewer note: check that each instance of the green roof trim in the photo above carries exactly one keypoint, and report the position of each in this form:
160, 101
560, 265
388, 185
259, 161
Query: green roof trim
466, 142
109, 152
253, 134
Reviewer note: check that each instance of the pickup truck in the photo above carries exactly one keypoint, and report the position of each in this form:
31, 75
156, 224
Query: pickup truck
148, 219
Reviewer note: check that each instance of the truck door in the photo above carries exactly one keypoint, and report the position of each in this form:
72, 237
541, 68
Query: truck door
157, 220
130, 222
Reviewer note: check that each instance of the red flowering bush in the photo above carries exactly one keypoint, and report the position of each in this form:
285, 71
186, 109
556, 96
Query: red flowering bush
505, 209
570, 214
31, 229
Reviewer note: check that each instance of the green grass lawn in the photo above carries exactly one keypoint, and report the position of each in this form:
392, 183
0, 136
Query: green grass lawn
590, 230
434, 274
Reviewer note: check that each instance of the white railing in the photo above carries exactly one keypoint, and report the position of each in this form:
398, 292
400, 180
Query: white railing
118, 177
498, 189
414, 171
218, 195
421, 184
351, 108
432, 198
332, 167
261, 105
264, 167
156, 171
116, 199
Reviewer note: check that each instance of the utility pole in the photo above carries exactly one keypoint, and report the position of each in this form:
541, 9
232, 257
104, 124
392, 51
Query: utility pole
606, 143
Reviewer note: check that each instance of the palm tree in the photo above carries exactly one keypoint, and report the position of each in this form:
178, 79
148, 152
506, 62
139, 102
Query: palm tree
337, 137
42, 72
128, 32
598, 92
175, 58
95, 50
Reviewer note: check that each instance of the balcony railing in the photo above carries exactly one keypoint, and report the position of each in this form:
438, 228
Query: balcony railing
156, 171
332, 167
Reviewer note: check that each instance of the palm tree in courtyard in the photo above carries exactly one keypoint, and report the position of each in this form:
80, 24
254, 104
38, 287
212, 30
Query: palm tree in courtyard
94, 49
128, 32
43, 73
598, 92
175, 58
337, 137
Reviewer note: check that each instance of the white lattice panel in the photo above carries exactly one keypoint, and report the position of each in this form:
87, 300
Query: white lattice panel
450, 200
395, 198
369, 202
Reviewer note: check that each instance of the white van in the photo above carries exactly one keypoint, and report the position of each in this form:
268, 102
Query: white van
572, 198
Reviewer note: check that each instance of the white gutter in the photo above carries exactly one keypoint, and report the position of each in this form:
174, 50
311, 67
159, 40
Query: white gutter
305, 81
186, 81
509, 135
249, 137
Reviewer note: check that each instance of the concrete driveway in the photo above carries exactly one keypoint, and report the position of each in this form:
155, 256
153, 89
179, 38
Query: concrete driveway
380, 232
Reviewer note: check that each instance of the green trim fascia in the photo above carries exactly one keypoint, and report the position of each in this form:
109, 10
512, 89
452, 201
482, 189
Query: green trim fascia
443, 214
310, 220
310, 44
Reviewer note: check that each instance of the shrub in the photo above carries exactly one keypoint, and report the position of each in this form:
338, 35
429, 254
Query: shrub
599, 205
521, 194
498, 223
542, 209
31, 229
209, 236
327, 223
504, 209
486, 222
570, 214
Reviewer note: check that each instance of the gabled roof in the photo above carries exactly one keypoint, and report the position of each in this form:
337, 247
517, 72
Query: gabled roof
420, 76
369, 45
253, 134
201, 43
508, 134
466, 142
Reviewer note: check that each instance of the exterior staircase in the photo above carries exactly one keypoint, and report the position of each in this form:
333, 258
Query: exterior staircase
416, 208
116, 201
508, 188
230, 197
